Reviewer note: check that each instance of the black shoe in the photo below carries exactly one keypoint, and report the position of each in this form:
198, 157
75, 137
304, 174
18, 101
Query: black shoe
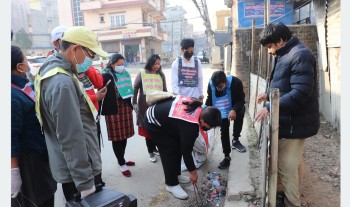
280, 196
225, 163
238, 146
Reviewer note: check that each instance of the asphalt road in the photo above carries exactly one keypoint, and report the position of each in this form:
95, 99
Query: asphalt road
147, 180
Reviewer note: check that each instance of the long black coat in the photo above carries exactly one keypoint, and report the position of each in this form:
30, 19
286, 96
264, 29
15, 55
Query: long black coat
295, 75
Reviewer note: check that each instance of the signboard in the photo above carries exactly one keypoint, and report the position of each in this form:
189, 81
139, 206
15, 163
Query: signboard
255, 9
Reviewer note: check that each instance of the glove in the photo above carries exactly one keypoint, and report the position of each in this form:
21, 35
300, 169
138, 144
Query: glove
16, 182
86, 193
136, 108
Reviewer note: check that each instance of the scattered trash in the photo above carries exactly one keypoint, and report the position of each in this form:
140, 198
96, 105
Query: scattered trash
215, 187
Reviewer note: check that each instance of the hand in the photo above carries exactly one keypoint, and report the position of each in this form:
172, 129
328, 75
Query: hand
261, 97
201, 98
232, 115
194, 176
16, 182
101, 93
86, 193
262, 113
136, 108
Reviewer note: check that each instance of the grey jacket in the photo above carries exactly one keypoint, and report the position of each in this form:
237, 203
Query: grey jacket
69, 127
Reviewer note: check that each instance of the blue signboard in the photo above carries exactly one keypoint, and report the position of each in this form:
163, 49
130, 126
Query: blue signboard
280, 11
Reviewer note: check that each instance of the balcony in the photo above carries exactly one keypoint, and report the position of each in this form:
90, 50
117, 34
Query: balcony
90, 5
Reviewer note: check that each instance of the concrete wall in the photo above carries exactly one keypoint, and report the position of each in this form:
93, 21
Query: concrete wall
330, 88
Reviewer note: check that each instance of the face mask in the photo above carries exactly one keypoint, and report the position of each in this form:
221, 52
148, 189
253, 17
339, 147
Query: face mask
28, 74
205, 128
188, 55
221, 89
119, 69
82, 68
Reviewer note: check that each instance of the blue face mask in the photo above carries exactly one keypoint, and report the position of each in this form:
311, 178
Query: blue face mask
82, 68
119, 69
28, 74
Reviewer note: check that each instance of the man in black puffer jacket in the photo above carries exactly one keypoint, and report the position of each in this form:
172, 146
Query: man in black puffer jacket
294, 74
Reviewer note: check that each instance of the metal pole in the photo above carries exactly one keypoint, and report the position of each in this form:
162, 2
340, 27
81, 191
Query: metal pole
172, 38
274, 120
252, 57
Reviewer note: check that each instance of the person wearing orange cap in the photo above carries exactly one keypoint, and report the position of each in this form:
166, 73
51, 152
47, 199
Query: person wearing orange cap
68, 116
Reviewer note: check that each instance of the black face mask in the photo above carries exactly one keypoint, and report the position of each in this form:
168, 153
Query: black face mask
188, 55
205, 128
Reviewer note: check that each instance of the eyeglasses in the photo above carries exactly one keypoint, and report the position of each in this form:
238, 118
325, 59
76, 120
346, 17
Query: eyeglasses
92, 56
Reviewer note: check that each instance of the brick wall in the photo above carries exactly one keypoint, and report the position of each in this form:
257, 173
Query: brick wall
242, 50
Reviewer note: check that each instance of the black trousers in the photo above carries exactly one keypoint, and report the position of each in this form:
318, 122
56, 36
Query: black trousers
69, 189
150, 145
169, 151
23, 201
119, 150
225, 131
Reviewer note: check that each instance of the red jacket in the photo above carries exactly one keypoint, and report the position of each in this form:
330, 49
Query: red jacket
97, 80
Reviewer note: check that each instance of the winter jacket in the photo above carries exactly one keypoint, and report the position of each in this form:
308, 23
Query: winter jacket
69, 126
295, 75
26, 134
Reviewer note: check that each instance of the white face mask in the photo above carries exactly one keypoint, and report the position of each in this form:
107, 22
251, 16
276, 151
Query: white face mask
119, 69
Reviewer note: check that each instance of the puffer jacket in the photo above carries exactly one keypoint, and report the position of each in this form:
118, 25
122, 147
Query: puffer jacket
295, 75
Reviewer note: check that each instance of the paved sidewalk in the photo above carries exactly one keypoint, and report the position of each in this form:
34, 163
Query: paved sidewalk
239, 181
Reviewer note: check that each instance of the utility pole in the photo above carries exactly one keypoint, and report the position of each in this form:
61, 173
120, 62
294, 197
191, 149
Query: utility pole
203, 11
172, 38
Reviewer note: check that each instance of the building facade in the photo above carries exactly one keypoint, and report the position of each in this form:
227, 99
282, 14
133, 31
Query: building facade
175, 26
37, 18
129, 27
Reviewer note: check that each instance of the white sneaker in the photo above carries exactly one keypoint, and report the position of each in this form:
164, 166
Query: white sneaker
152, 158
177, 191
183, 179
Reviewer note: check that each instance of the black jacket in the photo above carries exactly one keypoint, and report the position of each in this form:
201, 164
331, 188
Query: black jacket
109, 105
237, 94
295, 75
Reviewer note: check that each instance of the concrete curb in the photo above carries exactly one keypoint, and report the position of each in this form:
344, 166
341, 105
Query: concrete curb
239, 181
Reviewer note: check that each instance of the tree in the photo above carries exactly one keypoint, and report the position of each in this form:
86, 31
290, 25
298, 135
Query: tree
22, 40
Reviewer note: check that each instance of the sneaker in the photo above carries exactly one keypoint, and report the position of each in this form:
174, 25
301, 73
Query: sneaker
130, 163
225, 163
156, 152
183, 179
238, 146
152, 158
177, 191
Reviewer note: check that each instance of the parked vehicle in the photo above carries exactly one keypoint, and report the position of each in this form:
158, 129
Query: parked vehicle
101, 62
35, 62
202, 55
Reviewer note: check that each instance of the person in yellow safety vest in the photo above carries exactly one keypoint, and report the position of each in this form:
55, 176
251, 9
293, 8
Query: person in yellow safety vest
68, 116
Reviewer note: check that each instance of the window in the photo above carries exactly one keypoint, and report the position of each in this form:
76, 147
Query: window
102, 19
117, 20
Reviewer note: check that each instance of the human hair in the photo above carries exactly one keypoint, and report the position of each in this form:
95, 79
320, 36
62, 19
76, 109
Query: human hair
113, 59
273, 33
218, 77
17, 56
65, 45
186, 43
151, 61
210, 115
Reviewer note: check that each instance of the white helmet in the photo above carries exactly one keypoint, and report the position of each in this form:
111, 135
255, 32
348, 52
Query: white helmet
57, 32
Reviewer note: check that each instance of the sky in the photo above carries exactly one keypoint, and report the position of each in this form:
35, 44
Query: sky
192, 12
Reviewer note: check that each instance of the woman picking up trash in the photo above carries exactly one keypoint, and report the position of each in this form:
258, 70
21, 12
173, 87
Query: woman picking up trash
174, 126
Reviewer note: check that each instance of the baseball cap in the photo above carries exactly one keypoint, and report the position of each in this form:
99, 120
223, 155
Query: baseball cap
57, 32
85, 37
